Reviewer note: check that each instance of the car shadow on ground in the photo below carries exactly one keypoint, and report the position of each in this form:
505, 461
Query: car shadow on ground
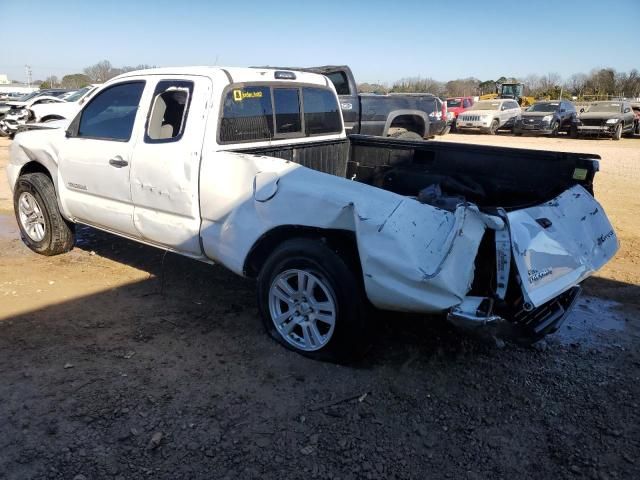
400, 338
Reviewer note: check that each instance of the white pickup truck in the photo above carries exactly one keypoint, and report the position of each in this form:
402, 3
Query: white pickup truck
251, 168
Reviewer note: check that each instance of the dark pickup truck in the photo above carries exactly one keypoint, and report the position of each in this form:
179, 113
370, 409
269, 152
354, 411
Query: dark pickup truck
411, 116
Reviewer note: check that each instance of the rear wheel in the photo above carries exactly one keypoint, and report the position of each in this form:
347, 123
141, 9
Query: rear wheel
494, 127
406, 135
311, 301
43, 228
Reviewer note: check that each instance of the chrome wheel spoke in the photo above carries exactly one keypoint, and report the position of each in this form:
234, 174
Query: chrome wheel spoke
325, 318
288, 328
283, 317
314, 333
283, 296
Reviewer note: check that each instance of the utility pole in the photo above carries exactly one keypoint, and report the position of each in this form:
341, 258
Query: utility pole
27, 69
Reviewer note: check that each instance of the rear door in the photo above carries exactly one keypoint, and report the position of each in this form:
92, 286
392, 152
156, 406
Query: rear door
559, 243
166, 162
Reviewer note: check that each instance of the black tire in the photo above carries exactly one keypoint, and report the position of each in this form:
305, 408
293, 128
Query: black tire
493, 129
618, 132
406, 135
59, 236
349, 339
446, 130
555, 127
573, 132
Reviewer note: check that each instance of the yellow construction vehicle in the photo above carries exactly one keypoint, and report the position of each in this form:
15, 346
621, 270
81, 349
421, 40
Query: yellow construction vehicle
510, 90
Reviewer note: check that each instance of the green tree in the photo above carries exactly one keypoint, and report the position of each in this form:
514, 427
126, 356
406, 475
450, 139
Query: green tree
75, 80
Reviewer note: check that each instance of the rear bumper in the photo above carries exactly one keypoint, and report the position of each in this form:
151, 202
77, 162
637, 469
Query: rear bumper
528, 325
547, 318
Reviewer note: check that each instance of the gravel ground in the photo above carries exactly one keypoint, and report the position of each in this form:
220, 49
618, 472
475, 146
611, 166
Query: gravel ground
120, 362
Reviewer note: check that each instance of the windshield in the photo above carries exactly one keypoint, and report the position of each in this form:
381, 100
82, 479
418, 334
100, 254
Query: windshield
78, 95
486, 105
26, 97
515, 90
543, 107
454, 102
609, 107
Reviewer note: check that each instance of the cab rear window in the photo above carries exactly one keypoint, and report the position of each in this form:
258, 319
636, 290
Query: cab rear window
255, 113
321, 111
247, 114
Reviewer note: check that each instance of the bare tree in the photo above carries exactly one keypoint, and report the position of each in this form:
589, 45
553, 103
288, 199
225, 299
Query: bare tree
418, 85
101, 71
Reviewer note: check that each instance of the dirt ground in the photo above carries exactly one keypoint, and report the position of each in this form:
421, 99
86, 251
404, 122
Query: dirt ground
117, 361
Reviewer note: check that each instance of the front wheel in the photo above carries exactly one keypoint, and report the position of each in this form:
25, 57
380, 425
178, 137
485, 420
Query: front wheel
312, 302
555, 127
618, 132
493, 129
42, 227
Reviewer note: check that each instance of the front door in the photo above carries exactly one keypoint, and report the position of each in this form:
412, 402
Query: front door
95, 158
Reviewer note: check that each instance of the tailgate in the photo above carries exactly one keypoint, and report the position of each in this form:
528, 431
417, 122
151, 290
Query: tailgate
560, 243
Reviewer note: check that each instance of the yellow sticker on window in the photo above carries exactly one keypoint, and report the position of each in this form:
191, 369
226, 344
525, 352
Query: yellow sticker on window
580, 174
239, 95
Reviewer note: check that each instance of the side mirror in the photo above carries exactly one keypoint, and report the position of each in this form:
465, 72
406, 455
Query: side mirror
627, 110
562, 110
582, 110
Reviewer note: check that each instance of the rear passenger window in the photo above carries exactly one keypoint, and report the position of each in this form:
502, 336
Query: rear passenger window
169, 108
339, 80
111, 113
247, 115
287, 106
321, 111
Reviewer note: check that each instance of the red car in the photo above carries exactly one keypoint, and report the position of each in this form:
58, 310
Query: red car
457, 105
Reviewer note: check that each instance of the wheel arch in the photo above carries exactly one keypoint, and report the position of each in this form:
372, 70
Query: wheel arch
415, 118
342, 241
51, 171
46, 118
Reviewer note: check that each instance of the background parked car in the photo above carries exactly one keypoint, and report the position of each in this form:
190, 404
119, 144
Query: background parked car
488, 116
48, 112
401, 115
547, 118
20, 113
607, 118
457, 105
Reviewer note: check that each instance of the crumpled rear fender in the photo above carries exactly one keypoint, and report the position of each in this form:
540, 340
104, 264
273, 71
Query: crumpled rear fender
414, 257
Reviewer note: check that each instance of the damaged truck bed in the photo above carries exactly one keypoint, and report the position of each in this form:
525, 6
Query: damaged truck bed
251, 168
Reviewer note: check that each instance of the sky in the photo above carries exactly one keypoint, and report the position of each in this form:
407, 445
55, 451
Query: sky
382, 41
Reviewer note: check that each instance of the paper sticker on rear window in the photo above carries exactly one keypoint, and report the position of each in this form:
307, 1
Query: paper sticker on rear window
239, 95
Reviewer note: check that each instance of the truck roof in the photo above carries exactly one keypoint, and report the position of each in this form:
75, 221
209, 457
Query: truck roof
235, 74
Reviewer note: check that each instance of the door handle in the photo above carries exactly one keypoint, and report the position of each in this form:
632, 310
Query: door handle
118, 162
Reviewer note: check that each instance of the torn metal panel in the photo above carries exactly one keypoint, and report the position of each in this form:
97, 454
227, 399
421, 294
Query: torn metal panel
558, 244
414, 257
